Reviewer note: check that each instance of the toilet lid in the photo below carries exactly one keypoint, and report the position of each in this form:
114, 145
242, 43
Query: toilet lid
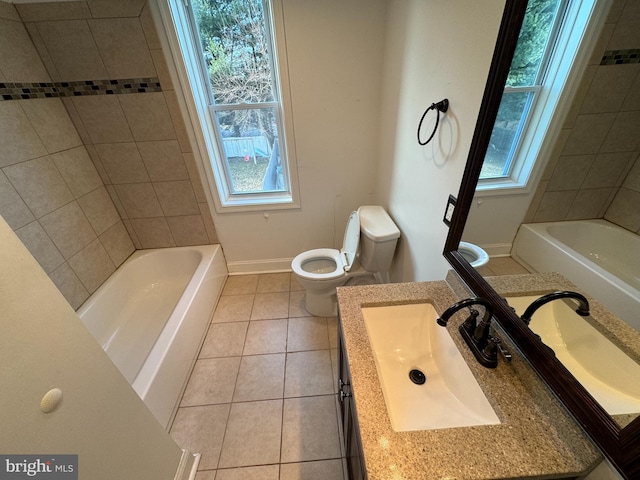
351, 240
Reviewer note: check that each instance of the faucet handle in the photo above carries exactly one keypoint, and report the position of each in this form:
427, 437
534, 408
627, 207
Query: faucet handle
494, 346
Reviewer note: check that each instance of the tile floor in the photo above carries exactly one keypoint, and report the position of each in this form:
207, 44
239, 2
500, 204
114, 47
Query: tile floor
261, 400
502, 266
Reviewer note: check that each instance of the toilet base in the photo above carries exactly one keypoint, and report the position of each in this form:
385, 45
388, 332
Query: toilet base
323, 305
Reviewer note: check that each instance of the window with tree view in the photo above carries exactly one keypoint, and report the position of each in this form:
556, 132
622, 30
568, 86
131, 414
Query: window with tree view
237, 48
525, 82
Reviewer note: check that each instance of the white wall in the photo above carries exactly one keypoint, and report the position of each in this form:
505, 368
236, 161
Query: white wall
435, 49
335, 68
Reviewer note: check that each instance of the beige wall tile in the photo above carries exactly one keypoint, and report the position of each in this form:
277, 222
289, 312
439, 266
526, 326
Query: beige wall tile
194, 175
20, 59
40, 185
118, 244
92, 265
52, 123
148, 116
623, 135
115, 8
97, 163
162, 70
626, 33
624, 210
74, 115
609, 88
607, 170
69, 229
188, 230
41, 48
116, 201
570, 172
178, 121
122, 162
36, 12
149, 28
132, 233
632, 102
632, 181
12, 208
123, 47
163, 160
590, 203
72, 49
208, 223
78, 171
176, 198
588, 133
40, 246
153, 232
99, 210
18, 140
554, 206
69, 285
103, 118
139, 200
8, 12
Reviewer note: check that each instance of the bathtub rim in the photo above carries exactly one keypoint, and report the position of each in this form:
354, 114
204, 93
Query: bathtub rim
614, 293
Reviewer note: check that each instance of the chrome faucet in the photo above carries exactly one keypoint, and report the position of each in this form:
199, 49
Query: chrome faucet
477, 336
582, 310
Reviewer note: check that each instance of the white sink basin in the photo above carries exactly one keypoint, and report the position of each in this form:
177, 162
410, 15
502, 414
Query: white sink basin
407, 337
605, 371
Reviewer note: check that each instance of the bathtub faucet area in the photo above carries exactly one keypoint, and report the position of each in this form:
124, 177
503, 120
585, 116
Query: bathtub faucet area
477, 336
582, 310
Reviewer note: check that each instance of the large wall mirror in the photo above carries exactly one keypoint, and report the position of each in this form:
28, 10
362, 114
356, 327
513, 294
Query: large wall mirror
618, 440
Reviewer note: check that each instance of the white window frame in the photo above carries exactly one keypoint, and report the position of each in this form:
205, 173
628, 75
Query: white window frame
193, 80
577, 36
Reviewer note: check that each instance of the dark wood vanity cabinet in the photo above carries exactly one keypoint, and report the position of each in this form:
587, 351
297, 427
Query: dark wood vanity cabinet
349, 418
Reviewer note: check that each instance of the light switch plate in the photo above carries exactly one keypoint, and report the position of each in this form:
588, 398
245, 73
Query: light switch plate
448, 213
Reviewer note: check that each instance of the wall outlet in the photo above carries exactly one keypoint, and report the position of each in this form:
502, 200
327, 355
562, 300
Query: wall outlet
448, 213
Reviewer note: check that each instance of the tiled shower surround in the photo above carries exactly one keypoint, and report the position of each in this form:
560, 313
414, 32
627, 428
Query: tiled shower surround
94, 157
594, 170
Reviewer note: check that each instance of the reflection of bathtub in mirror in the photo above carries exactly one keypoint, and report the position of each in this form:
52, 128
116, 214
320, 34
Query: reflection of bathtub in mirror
598, 256
604, 370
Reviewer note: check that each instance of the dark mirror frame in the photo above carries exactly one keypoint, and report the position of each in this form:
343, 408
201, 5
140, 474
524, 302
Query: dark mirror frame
621, 446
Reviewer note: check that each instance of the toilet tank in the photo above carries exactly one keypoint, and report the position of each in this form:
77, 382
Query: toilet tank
378, 238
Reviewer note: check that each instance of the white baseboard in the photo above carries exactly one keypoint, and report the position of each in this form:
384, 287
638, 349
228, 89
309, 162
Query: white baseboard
497, 249
273, 265
188, 466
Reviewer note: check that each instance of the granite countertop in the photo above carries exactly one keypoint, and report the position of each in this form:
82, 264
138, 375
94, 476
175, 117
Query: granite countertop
536, 438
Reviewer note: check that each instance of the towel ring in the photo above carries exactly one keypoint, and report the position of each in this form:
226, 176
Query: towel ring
441, 106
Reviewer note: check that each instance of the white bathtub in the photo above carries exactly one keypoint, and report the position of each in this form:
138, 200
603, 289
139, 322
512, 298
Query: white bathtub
151, 317
598, 256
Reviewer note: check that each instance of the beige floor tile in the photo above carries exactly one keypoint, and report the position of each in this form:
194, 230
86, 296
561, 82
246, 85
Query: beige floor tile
274, 282
334, 368
310, 429
308, 373
318, 470
332, 325
270, 305
201, 429
206, 475
266, 336
261, 377
233, 308
506, 266
253, 434
295, 286
212, 381
224, 340
262, 472
307, 333
240, 284
297, 304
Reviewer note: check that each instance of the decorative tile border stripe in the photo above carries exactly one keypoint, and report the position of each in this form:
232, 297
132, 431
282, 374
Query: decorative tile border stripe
24, 91
621, 57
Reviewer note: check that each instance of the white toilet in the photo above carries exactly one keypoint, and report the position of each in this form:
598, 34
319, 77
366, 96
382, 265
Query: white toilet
473, 254
363, 259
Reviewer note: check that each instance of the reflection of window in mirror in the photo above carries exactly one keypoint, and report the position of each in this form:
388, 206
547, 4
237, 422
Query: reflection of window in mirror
540, 68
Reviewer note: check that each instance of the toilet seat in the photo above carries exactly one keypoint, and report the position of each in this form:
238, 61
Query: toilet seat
342, 259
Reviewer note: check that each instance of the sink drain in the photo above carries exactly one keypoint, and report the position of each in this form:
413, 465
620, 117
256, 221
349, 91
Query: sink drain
417, 377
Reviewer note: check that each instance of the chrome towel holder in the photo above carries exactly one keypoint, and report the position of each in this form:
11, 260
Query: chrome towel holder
441, 106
